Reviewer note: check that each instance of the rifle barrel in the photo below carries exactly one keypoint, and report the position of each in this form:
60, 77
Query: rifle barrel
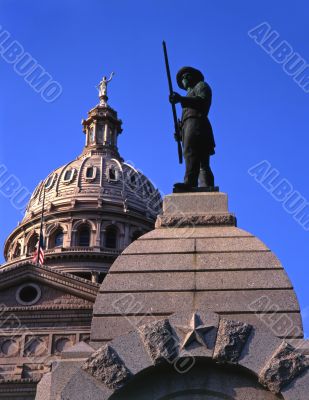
170, 86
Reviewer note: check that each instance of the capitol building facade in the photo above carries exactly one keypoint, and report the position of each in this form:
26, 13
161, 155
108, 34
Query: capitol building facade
94, 207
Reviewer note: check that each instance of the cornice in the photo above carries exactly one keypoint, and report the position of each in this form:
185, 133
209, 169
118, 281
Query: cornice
71, 307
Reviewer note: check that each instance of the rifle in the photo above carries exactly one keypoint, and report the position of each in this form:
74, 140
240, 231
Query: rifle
170, 86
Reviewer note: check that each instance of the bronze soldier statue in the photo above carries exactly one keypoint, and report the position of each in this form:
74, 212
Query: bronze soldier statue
196, 131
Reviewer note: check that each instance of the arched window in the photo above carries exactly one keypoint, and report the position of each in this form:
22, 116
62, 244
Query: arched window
32, 243
91, 173
110, 237
57, 239
50, 181
136, 235
69, 175
83, 236
132, 181
112, 174
17, 251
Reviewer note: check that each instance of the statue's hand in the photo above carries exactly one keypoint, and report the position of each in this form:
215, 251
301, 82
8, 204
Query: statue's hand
177, 137
174, 98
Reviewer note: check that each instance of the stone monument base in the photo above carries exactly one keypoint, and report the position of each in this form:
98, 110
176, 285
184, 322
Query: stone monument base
195, 309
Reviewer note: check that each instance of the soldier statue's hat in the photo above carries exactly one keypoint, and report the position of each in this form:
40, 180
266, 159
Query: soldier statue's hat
193, 71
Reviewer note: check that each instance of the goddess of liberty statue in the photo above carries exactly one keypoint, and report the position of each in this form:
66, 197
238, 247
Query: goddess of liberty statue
103, 88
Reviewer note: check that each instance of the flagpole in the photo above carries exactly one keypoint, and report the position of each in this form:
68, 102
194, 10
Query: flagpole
41, 227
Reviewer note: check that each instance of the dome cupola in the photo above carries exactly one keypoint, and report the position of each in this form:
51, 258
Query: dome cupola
102, 126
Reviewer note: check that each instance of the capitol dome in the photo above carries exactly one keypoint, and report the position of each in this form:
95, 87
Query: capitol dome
94, 206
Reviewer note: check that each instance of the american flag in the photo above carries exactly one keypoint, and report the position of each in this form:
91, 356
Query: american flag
38, 257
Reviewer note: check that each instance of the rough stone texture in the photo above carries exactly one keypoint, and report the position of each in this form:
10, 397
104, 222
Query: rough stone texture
301, 345
106, 366
194, 209
221, 269
115, 326
161, 246
160, 341
282, 368
196, 231
44, 388
196, 261
131, 349
62, 371
231, 338
83, 386
190, 280
79, 350
204, 380
298, 388
258, 349
156, 302
229, 244
195, 367
282, 323
192, 203
195, 220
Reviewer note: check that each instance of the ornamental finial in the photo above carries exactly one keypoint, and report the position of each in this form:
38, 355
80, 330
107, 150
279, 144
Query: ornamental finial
103, 89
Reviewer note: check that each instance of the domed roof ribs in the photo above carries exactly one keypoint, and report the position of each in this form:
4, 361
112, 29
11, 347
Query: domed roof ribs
123, 191
79, 175
60, 176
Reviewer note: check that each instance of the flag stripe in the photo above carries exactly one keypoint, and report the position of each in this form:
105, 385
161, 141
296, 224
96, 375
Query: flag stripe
40, 251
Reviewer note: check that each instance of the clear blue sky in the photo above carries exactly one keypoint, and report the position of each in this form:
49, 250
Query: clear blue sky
258, 111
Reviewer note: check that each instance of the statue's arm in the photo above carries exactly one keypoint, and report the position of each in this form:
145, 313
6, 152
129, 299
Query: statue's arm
202, 99
192, 102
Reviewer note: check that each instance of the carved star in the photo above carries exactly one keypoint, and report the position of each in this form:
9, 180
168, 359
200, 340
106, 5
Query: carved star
195, 332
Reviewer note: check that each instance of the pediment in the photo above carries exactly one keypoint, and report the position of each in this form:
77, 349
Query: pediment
27, 284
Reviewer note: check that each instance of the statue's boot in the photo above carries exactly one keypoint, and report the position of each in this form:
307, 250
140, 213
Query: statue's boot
206, 178
180, 187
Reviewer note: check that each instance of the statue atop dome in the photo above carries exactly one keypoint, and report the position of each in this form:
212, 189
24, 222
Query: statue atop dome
103, 88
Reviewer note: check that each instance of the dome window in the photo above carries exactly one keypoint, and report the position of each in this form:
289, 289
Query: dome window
91, 134
69, 175
150, 188
50, 181
17, 252
36, 192
132, 181
145, 189
32, 243
112, 174
91, 173
83, 237
111, 237
28, 294
57, 240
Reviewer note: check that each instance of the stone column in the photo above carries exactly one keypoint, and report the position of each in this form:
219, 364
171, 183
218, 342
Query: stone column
68, 235
94, 276
97, 241
126, 239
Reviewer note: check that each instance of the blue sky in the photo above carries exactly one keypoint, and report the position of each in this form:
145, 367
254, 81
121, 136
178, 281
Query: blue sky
258, 113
